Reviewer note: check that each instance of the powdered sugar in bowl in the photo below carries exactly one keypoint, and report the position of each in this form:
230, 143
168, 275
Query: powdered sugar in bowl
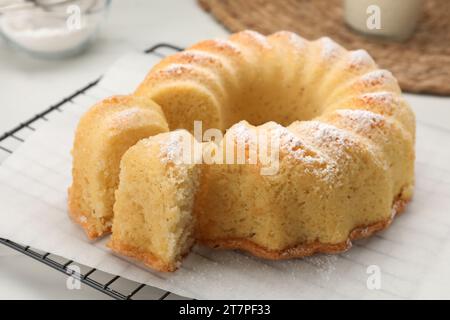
53, 29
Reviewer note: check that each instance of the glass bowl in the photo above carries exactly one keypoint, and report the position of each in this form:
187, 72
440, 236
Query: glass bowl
57, 31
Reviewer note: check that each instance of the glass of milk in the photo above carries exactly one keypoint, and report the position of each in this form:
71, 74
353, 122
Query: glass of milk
54, 32
391, 19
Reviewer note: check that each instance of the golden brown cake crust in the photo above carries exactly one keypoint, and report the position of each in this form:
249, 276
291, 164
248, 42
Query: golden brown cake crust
309, 249
299, 251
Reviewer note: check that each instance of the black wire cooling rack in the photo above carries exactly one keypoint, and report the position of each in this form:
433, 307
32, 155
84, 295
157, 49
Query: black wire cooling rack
111, 285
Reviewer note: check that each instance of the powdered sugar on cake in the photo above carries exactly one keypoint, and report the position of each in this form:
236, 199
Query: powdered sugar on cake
171, 149
376, 77
328, 134
330, 49
293, 145
196, 56
317, 163
338, 141
243, 133
176, 68
359, 58
126, 115
362, 120
258, 38
298, 42
384, 97
226, 45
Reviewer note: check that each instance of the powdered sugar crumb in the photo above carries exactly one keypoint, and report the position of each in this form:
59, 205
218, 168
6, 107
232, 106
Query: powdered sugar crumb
325, 133
198, 56
290, 145
381, 96
376, 77
126, 115
293, 145
259, 38
330, 49
172, 148
362, 120
222, 44
295, 40
317, 163
337, 141
243, 133
325, 265
358, 58
176, 68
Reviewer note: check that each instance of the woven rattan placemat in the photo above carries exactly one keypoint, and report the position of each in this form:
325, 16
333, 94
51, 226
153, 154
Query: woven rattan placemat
422, 64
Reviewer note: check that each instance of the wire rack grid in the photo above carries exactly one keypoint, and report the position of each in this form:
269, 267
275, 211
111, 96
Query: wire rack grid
111, 285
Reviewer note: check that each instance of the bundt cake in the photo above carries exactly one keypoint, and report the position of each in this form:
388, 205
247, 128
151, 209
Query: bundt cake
103, 135
342, 167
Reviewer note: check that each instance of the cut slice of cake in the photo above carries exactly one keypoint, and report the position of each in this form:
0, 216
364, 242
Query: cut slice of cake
153, 220
103, 135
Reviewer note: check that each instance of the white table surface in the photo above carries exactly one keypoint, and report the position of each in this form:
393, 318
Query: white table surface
28, 86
